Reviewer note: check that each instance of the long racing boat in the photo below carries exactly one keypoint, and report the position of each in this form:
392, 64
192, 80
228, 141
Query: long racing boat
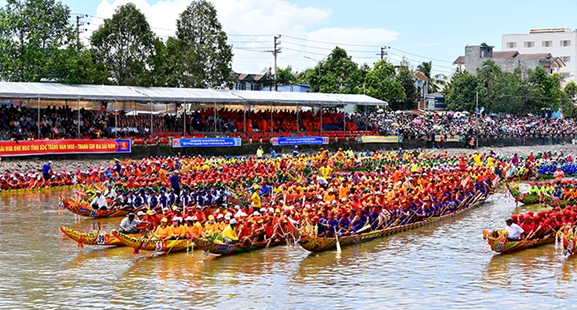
82, 208
318, 244
497, 240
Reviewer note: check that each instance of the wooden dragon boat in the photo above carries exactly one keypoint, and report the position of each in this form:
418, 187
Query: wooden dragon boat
95, 237
497, 240
148, 244
82, 208
319, 244
529, 199
222, 249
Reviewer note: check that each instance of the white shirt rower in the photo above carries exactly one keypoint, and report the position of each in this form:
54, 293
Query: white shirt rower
514, 230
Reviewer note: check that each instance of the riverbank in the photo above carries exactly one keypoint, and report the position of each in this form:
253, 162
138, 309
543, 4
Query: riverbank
23, 164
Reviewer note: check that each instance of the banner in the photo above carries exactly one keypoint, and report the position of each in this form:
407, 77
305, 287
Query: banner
47, 147
454, 139
280, 141
206, 142
378, 139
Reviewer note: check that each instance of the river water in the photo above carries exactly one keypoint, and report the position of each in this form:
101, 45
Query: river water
442, 266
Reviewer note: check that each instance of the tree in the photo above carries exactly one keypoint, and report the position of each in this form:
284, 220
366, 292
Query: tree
338, 74
460, 92
202, 58
487, 75
126, 45
381, 83
286, 76
33, 37
407, 79
436, 82
570, 90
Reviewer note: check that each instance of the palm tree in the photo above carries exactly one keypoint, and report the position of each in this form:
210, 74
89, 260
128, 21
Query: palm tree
436, 82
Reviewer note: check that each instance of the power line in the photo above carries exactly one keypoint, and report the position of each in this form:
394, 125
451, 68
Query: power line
420, 55
324, 48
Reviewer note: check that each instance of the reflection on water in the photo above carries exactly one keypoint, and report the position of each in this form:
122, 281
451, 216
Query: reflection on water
441, 266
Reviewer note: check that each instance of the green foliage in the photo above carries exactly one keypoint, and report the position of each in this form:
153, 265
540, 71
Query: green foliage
406, 78
460, 92
126, 45
338, 74
286, 76
199, 56
32, 36
381, 83
505, 92
570, 90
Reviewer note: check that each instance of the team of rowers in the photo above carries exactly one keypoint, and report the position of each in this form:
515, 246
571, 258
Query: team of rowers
262, 200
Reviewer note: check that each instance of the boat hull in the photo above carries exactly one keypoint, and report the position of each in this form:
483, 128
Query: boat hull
224, 249
83, 209
501, 245
91, 238
147, 244
315, 244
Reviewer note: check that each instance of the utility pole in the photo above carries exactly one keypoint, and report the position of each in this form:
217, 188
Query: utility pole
383, 53
275, 52
476, 119
79, 17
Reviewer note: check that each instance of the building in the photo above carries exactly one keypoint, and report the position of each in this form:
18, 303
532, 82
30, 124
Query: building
508, 61
435, 102
246, 81
299, 88
561, 42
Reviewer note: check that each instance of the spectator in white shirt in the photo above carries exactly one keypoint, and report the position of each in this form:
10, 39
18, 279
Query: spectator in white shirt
99, 202
514, 230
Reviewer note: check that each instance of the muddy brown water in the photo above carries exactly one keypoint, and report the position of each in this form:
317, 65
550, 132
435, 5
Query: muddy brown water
445, 265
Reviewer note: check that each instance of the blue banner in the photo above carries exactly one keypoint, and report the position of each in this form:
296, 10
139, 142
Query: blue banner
206, 142
298, 140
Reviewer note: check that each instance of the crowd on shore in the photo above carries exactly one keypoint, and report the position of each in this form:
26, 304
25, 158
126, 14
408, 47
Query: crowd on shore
448, 124
63, 123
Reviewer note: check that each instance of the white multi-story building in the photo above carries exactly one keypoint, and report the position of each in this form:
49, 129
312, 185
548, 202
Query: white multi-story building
561, 42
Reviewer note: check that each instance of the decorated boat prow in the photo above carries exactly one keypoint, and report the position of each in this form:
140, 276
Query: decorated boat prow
95, 237
152, 244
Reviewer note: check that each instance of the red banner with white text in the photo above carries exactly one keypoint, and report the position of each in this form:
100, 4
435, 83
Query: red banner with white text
51, 147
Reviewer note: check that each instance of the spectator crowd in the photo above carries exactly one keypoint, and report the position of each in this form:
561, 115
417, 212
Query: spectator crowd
64, 123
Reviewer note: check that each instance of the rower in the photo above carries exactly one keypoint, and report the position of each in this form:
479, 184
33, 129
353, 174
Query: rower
99, 202
128, 224
514, 230
163, 232
229, 234
178, 230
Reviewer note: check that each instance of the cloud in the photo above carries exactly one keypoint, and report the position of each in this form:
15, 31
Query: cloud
263, 17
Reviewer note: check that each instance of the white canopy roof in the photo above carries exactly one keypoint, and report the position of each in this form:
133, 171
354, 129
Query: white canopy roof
12, 90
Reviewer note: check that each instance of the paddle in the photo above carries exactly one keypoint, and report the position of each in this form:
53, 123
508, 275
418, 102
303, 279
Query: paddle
176, 240
338, 243
272, 236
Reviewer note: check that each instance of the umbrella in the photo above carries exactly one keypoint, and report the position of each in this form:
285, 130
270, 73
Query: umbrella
465, 112
398, 112
450, 112
380, 111
437, 127
417, 121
